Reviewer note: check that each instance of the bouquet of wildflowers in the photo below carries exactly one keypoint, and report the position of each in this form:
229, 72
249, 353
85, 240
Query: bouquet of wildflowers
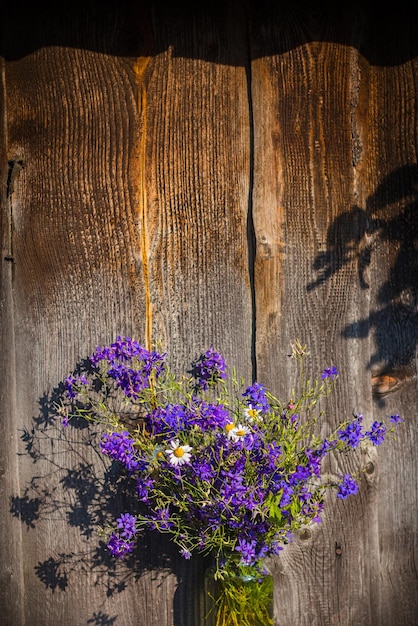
227, 470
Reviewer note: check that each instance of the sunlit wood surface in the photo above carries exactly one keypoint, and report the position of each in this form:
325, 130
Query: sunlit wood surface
236, 177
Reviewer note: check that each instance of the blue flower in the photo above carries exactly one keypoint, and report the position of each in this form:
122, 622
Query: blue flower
247, 550
186, 554
169, 419
129, 364
325, 448
330, 372
377, 433
286, 498
120, 446
203, 470
72, 385
347, 487
118, 546
209, 369
256, 397
143, 487
208, 416
351, 435
160, 519
127, 523
396, 419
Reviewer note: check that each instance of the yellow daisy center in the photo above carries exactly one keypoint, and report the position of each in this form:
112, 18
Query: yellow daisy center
229, 427
240, 432
178, 452
252, 412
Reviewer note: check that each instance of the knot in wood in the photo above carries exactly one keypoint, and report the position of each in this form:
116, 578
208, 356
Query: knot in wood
265, 250
384, 383
370, 468
305, 534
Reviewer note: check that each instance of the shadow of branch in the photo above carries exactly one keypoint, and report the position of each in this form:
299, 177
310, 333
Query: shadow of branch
390, 217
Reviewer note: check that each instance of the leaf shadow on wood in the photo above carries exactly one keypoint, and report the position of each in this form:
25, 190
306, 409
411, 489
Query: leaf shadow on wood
389, 222
102, 619
384, 37
81, 495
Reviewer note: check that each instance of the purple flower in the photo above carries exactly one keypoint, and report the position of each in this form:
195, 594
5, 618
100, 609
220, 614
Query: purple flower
351, 434
120, 447
130, 365
186, 554
276, 547
274, 452
325, 448
160, 520
302, 473
396, 419
119, 547
313, 462
316, 508
127, 524
72, 385
247, 550
69, 383
208, 416
143, 486
65, 421
330, 372
203, 470
126, 350
209, 369
256, 397
347, 487
286, 498
169, 419
377, 433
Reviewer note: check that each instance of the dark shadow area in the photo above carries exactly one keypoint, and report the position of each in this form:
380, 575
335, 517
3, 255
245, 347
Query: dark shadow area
72, 482
384, 35
389, 222
101, 619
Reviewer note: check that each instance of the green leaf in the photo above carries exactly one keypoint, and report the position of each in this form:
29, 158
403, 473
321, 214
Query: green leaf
273, 504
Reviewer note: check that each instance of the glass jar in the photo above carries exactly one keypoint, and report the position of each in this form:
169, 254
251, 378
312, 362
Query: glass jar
238, 596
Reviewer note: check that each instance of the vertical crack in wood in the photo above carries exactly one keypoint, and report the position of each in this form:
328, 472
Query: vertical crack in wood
251, 242
15, 167
140, 68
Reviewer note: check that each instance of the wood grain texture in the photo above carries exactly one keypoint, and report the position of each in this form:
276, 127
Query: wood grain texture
76, 239
206, 177
316, 125
11, 577
130, 217
392, 326
198, 175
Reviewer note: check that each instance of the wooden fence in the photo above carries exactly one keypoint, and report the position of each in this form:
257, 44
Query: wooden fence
237, 176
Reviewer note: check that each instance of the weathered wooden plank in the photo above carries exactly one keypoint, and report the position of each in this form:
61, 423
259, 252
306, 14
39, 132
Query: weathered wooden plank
74, 236
308, 103
392, 323
199, 166
130, 217
11, 579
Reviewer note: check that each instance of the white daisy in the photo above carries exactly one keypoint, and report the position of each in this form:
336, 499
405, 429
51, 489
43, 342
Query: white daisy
178, 455
238, 432
229, 428
251, 414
